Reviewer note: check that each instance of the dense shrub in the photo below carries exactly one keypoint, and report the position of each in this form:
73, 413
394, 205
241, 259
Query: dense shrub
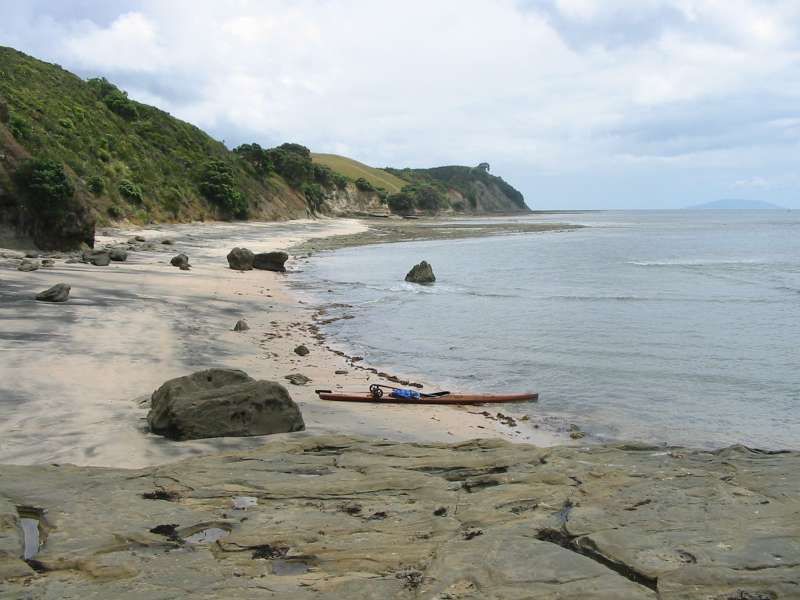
364, 185
95, 184
115, 212
19, 127
115, 99
4, 112
294, 166
401, 203
314, 194
218, 184
339, 180
323, 174
429, 198
47, 187
130, 190
298, 149
257, 156
66, 123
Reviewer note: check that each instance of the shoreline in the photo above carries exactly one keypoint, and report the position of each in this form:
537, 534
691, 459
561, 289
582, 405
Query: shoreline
133, 325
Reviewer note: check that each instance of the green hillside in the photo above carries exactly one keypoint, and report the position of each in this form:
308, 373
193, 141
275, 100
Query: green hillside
355, 170
75, 154
125, 160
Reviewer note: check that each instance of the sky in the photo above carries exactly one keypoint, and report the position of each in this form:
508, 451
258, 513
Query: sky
580, 104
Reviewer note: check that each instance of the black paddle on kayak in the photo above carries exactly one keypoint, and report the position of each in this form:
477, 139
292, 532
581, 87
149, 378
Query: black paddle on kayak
376, 389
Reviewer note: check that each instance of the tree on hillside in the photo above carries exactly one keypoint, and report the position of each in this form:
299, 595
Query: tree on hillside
218, 184
401, 203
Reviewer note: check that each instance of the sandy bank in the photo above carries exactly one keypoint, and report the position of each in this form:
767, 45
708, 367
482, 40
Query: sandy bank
76, 377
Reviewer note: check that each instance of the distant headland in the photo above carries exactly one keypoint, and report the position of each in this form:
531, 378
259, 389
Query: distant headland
735, 204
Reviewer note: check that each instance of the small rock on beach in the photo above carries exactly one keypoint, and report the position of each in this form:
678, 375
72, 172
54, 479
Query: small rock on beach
181, 261
270, 261
28, 264
58, 293
98, 258
241, 325
240, 259
297, 379
118, 254
301, 350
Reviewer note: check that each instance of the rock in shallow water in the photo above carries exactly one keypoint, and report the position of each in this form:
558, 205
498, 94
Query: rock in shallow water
241, 325
421, 273
270, 261
222, 402
240, 259
58, 293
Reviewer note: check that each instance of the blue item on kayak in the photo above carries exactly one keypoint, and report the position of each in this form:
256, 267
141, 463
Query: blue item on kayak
408, 394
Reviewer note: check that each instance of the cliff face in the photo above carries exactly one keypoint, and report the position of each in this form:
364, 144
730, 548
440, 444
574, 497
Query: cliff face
351, 201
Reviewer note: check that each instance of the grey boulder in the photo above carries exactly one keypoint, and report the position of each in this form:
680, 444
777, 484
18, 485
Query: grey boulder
222, 402
181, 261
99, 258
58, 293
270, 261
118, 254
240, 259
28, 264
241, 325
421, 273
301, 350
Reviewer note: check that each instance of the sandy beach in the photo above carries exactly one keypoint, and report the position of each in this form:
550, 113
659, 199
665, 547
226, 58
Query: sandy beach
77, 376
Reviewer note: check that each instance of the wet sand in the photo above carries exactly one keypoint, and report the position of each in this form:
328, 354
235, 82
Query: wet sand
75, 378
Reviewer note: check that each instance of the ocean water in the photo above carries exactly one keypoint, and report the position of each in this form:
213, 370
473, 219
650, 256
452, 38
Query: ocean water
675, 327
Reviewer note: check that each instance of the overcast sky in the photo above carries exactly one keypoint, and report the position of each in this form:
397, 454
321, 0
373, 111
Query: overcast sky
578, 103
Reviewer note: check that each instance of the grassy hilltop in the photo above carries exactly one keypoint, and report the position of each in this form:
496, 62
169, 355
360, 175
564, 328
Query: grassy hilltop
75, 153
353, 169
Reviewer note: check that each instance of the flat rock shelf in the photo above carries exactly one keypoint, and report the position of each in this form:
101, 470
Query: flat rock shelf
342, 517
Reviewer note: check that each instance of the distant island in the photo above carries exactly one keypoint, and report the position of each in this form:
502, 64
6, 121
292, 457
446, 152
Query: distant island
735, 204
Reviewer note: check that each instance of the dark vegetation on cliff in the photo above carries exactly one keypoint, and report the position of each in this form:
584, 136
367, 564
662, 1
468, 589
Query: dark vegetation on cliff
460, 188
76, 153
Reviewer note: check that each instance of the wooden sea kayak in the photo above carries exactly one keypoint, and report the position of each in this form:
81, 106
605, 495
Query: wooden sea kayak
448, 399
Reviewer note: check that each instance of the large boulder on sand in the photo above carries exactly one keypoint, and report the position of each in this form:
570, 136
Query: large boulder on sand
421, 273
222, 402
58, 293
270, 261
240, 259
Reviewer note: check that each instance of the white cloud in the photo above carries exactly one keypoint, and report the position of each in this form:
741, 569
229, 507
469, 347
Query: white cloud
566, 87
129, 43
